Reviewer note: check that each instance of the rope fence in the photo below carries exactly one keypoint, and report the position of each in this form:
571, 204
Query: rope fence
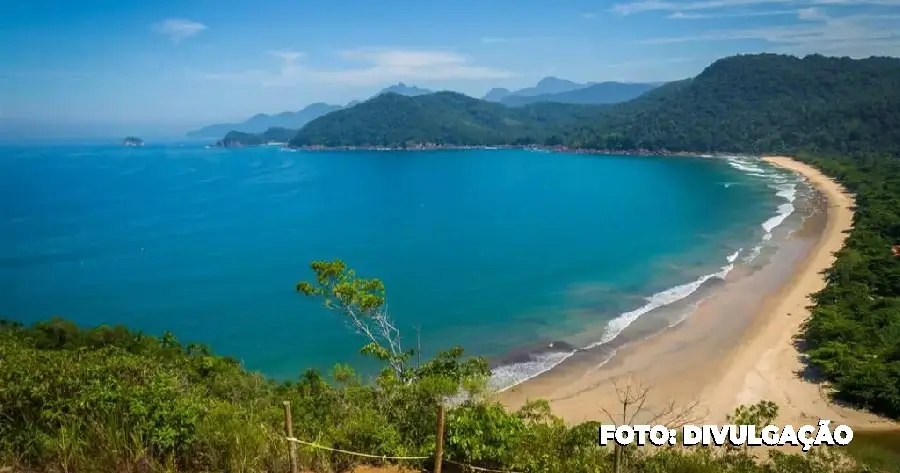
357, 454
438, 451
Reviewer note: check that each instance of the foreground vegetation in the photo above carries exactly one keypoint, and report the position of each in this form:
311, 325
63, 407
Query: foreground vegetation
108, 399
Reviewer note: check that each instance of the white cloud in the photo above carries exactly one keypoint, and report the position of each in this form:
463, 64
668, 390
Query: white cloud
178, 29
679, 15
288, 55
811, 14
642, 6
647, 63
857, 35
503, 40
379, 66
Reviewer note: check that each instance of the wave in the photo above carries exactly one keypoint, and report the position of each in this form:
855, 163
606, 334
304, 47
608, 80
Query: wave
506, 376
786, 191
784, 211
660, 299
756, 251
511, 374
744, 165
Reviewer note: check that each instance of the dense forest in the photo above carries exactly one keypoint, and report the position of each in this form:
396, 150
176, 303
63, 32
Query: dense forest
445, 118
853, 335
109, 399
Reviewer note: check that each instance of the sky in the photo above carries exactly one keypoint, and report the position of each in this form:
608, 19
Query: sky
172, 65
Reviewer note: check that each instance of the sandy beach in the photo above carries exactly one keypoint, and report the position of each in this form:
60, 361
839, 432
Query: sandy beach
736, 348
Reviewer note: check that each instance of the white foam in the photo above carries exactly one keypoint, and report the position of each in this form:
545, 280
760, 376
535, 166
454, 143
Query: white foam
784, 188
506, 376
755, 252
786, 191
744, 165
660, 299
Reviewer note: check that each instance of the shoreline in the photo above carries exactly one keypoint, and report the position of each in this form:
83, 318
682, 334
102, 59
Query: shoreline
531, 147
735, 348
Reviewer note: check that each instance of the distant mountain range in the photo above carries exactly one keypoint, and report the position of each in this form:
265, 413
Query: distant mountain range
294, 120
554, 89
262, 122
548, 89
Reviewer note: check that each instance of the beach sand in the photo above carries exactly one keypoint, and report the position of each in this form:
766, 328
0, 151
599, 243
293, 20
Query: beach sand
736, 348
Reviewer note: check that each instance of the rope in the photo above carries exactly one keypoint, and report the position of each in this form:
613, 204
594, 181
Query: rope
382, 457
366, 455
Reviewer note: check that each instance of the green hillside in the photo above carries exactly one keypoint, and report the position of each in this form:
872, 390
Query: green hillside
762, 102
239, 138
446, 118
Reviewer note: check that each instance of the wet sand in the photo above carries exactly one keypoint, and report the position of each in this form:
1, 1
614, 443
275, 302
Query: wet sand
736, 348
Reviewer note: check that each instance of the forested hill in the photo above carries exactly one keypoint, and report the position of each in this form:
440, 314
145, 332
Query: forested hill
747, 103
443, 118
762, 102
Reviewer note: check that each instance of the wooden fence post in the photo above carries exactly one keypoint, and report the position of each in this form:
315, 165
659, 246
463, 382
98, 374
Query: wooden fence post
439, 440
617, 458
289, 433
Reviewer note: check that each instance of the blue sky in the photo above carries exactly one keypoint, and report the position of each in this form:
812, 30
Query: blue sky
175, 64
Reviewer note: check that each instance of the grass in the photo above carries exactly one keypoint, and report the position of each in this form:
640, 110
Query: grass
879, 449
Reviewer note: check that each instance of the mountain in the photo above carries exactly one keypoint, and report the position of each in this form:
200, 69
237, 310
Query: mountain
261, 122
547, 85
443, 118
550, 85
237, 139
599, 93
403, 89
761, 102
496, 94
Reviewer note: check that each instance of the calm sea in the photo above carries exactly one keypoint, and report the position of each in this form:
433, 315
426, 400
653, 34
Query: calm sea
493, 250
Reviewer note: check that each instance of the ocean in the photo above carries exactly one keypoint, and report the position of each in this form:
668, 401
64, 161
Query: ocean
522, 257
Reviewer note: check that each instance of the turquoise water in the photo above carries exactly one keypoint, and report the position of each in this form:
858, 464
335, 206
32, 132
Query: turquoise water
493, 250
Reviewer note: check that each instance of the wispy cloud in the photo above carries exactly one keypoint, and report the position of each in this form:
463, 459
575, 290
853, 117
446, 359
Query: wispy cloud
288, 55
178, 29
680, 15
642, 6
504, 40
856, 35
642, 63
378, 66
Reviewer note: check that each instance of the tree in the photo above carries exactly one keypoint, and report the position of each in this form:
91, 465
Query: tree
362, 302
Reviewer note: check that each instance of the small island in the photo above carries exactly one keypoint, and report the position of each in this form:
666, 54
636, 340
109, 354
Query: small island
132, 141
